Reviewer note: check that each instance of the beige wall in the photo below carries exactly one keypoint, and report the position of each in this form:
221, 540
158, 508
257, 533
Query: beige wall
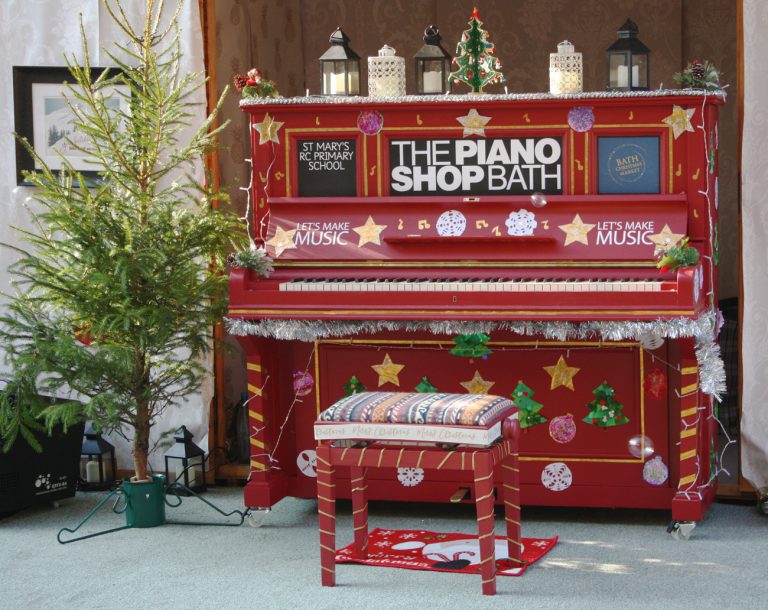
284, 40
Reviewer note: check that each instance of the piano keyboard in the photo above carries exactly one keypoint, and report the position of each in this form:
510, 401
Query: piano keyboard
473, 285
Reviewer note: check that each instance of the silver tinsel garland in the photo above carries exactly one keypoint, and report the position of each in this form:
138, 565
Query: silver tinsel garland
473, 99
711, 368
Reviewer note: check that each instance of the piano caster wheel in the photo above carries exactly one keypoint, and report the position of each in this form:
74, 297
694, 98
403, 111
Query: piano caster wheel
257, 517
762, 500
55, 504
681, 530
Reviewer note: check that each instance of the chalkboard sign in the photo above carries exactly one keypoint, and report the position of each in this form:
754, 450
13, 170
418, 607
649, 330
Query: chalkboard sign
628, 165
327, 168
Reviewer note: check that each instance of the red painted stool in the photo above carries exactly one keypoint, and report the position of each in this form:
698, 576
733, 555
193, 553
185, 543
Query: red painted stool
432, 431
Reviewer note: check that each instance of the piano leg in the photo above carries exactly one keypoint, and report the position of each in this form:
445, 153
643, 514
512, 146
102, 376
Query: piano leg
359, 510
510, 493
484, 501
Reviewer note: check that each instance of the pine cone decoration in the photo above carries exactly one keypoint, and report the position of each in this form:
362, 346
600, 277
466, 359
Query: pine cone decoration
240, 81
697, 70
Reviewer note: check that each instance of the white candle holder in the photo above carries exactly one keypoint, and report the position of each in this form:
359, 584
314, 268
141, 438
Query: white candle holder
565, 70
386, 74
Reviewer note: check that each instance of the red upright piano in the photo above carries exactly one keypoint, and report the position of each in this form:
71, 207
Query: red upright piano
400, 228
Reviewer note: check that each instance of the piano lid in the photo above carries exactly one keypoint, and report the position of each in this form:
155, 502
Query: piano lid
569, 231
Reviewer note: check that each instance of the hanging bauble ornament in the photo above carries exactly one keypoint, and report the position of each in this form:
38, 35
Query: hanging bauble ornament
655, 384
650, 340
581, 118
562, 429
303, 383
655, 471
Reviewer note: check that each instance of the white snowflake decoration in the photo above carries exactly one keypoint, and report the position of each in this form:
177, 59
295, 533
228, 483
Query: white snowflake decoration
451, 223
522, 222
650, 340
410, 477
307, 463
556, 476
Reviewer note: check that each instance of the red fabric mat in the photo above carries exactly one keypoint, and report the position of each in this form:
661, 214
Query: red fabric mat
423, 550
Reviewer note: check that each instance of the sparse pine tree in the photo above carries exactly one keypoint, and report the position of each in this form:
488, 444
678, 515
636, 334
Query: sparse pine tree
118, 286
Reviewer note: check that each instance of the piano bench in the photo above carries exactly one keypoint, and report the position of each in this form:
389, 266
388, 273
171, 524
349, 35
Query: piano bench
465, 432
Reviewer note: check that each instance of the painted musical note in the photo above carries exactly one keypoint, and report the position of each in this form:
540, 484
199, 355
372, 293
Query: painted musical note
695, 213
696, 173
317, 120
579, 166
400, 224
679, 171
279, 175
423, 224
496, 231
631, 116
418, 120
545, 224
372, 170
261, 203
481, 224
262, 177
527, 118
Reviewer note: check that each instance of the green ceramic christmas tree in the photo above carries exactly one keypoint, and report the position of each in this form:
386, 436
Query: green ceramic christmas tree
528, 415
475, 63
353, 386
605, 411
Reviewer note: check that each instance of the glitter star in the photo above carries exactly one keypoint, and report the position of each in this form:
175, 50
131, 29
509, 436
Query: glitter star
679, 120
369, 232
282, 241
561, 374
388, 371
477, 385
665, 240
268, 129
474, 123
576, 231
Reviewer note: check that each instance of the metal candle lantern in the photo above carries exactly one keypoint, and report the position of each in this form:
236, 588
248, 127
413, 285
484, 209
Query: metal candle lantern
565, 70
339, 67
185, 464
97, 461
386, 74
433, 64
629, 61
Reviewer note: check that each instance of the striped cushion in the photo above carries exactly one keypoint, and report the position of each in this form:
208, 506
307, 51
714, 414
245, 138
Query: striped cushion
419, 408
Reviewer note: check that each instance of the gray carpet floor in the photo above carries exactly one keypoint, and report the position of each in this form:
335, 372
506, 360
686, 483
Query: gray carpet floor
604, 559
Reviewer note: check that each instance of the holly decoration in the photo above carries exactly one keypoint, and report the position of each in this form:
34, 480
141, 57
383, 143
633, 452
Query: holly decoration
698, 75
605, 411
425, 386
475, 63
353, 386
254, 85
528, 415
681, 255
471, 346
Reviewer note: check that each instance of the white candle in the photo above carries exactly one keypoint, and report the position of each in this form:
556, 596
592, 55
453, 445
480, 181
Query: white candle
191, 475
337, 84
354, 83
555, 81
622, 76
635, 76
433, 82
92, 472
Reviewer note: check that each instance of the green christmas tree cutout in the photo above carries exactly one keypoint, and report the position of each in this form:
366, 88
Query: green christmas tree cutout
425, 386
605, 411
475, 63
529, 408
472, 346
353, 386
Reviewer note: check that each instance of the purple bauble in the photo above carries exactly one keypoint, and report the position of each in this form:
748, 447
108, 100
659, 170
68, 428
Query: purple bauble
370, 122
581, 118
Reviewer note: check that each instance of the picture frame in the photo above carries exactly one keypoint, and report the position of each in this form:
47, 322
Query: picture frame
42, 116
629, 165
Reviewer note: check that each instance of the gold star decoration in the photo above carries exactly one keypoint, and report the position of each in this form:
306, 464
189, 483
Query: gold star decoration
477, 385
679, 120
576, 230
282, 241
369, 232
268, 129
388, 371
561, 374
665, 240
474, 123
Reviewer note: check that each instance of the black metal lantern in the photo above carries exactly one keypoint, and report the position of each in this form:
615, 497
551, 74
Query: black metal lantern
433, 64
629, 61
97, 461
339, 67
185, 463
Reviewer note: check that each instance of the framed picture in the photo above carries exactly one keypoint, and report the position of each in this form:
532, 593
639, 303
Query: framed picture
629, 165
43, 117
